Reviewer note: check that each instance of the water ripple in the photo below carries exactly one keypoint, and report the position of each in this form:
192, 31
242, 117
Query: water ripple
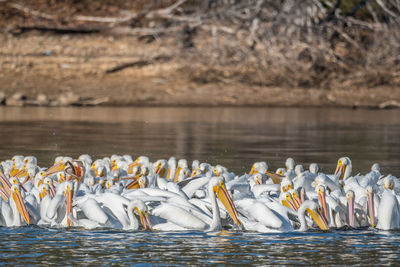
35, 245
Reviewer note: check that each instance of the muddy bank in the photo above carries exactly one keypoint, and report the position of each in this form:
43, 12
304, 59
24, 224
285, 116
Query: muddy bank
54, 70
199, 53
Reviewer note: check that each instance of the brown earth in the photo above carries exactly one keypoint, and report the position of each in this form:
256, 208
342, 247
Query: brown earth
49, 55
54, 65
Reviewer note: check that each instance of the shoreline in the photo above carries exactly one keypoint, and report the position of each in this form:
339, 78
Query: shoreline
91, 70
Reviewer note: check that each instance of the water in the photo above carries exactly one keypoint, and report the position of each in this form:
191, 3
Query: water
30, 245
233, 137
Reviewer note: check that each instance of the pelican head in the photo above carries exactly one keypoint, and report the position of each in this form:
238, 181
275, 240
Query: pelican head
30, 160
299, 169
344, 168
109, 183
217, 187
388, 183
195, 164
259, 167
86, 158
138, 181
43, 191
100, 171
286, 184
58, 160
14, 180
219, 170
160, 167
145, 171
52, 188
375, 167
313, 168
114, 158
16, 195
143, 212
90, 181
287, 201
204, 167
290, 164
136, 170
60, 177
196, 172
315, 212
183, 174
350, 206
280, 171
17, 158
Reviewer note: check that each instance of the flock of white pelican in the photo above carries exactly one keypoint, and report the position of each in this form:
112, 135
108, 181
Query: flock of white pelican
122, 193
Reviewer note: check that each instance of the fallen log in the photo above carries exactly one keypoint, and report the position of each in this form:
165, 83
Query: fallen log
139, 63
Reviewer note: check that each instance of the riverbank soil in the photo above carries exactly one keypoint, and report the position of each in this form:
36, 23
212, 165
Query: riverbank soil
178, 53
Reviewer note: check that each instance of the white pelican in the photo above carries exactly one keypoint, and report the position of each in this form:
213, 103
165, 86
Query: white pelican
17, 214
172, 168
343, 168
389, 208
60, 205
315, 212
260, 217
177, 216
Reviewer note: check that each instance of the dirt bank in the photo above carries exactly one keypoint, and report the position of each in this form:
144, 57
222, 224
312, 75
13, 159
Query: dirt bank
82, 65
193, 54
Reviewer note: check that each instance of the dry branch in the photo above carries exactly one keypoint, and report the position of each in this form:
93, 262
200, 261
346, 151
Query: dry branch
31, 11
139, 63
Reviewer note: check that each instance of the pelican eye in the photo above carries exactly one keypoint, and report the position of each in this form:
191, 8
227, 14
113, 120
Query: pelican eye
340, 162
25, 161
280, 172
289, 187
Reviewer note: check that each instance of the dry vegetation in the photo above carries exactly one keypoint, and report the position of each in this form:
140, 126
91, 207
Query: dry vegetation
307, 45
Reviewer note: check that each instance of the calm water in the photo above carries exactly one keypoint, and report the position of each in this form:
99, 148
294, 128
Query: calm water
234, 137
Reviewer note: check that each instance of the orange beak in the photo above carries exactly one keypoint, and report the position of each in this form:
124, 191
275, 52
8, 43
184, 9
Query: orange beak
55, 168
371, 208
134, 184
350, 205
21, 206
227, 201
322, 202
69, 195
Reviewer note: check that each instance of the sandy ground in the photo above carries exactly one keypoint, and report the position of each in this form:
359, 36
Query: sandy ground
53, 65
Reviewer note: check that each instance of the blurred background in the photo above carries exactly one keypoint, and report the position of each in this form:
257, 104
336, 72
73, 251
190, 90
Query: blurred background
196, 53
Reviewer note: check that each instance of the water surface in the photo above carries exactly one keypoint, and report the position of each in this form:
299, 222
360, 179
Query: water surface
234, 137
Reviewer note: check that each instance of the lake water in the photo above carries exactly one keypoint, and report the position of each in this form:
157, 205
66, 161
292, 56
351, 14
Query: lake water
233, 137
